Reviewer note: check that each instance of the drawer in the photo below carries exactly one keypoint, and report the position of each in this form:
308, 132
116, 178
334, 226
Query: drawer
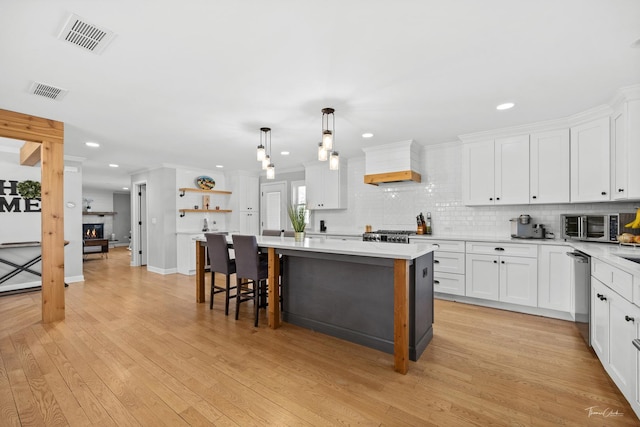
446, 245
510, 249
618, 280
448, 262
448, 283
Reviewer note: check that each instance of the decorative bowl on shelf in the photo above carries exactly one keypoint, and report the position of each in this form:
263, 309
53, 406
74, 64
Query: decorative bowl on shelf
205, 182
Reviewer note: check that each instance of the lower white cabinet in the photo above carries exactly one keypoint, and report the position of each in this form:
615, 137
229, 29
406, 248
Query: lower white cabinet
600, 296
555, 276
449, 267
615, 323
186, 249
502, 277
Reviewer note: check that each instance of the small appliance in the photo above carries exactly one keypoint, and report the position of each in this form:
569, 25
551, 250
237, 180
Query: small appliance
596, 227
523, 228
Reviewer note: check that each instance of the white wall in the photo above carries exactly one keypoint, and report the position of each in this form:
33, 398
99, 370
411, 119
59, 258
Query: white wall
440, 192
26, 226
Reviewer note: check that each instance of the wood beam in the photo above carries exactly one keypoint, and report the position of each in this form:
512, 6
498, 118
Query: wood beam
30, 128
30, 153
401, 315
377, 178
52, 232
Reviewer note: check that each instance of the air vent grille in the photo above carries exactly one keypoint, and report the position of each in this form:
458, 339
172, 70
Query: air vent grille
48, 91
85, 35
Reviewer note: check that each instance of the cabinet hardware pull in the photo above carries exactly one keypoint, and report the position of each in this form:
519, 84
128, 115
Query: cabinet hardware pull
604, 193
437, 282
495, 262
620, 190
497, 198
629, 319
502, 262
534, 197
601, 297
435, 261
490, 198
499, 249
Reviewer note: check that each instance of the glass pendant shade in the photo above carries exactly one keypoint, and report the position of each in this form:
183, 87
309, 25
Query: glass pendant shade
266, 162
334, 161
322, 153
271, 171
261, 153
327, 140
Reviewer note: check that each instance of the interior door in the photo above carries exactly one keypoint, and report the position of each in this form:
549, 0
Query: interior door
273, 206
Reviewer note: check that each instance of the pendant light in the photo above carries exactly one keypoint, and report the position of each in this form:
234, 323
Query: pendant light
267, 164
328, 139
328, 128
322, 153
265, 137
261, 152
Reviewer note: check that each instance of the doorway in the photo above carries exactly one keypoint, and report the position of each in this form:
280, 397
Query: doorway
139, 239
273, 206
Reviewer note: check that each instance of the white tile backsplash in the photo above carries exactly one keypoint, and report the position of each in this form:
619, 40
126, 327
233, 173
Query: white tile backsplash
395, 206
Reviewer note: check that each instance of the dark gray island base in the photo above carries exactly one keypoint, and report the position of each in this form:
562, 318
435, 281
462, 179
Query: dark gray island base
352, 298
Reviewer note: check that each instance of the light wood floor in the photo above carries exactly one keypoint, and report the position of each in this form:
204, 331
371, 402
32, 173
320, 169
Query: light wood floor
136, 350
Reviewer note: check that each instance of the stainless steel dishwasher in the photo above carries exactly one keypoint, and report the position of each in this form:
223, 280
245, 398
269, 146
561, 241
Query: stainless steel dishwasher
582, 294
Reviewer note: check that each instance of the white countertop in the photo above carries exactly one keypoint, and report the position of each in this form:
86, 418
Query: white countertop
345, 247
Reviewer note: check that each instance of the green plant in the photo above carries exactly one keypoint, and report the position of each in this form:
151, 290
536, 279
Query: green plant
297, 215
29, 189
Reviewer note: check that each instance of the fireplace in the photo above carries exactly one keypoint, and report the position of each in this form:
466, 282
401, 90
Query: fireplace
92, 231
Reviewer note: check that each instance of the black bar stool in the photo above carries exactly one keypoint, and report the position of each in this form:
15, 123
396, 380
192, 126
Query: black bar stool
220, 263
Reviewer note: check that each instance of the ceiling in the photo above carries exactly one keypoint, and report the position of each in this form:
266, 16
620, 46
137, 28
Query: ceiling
191, 82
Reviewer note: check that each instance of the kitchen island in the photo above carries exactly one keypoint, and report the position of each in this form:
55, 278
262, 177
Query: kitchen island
374, 294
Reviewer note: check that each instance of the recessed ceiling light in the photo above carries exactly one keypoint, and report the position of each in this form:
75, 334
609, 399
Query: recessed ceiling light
219, 166
505, 106
92, 144
367, 135
113, 165
285, 153
125, 188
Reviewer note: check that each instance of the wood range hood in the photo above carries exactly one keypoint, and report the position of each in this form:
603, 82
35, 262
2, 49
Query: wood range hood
392, 163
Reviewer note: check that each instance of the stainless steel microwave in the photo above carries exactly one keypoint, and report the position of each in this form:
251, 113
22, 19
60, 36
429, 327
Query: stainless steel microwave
594, 227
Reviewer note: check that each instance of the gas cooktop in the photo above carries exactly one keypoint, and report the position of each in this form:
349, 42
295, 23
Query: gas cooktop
390, 236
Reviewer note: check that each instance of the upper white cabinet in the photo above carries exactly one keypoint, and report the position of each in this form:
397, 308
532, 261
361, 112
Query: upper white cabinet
625, 136
496, 172
549, 167
590, 161
478, 173
326, 189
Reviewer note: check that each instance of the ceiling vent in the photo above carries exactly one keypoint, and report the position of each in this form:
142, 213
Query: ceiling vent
47, 91
85, 35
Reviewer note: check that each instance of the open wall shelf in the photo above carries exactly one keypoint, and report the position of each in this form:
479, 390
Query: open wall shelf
197, 190
183, 212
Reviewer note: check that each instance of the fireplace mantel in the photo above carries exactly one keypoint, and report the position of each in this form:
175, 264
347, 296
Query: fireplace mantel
98, 213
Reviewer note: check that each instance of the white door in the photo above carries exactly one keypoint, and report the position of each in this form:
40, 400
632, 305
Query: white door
139, 226
273, 206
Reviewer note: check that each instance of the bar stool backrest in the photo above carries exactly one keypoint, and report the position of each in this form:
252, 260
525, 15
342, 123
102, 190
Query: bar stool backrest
247, 261
218, 253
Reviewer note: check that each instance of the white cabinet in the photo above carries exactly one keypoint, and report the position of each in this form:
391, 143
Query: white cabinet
449, 267
600, 320
478, 173
326, 189
245, 202
549, 175
496, 171
625, 136
555, 276
509, 274
186, 248
590, 161
622, 354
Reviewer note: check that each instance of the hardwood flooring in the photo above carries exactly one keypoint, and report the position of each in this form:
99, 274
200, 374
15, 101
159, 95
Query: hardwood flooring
135, 349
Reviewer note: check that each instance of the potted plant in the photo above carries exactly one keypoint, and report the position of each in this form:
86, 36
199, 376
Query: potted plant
298, 216
29, 189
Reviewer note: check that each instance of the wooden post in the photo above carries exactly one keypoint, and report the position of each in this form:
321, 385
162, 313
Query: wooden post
273, 311
52, 216
200, 266
401, 315
45, 144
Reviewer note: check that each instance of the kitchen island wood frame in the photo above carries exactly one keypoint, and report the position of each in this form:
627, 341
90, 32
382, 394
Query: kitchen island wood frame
401, 254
